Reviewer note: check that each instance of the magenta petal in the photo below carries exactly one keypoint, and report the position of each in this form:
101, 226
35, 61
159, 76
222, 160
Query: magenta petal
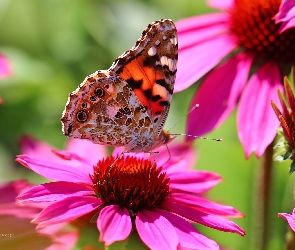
194, 62
5, 69
257, 123
30, 146
114, 224
204, 205
218, 94
188, 236
87, 150
67, 210
208, 220
54, 191
290, 218
286, 12
193, 181
287, 25
181, 156
221, 4
156, 231
198, 29
55, 171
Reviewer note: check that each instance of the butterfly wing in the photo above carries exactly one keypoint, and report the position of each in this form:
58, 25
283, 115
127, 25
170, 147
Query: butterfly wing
105, 110
149, 68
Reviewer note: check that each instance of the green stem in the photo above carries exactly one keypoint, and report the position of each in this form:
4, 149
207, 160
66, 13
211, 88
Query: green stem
262, 203
265, 192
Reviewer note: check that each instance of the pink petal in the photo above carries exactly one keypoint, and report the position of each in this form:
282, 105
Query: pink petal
22, 212
114, 224
257, 123
286, 15
30, 146
118, 151
218, 95
198, 29
221, 4
194, 62
193, 181
33, 147
188, 236
67, 210
55, 171
181, 156
156, 231
5, 68
204, 205
286, 12
287, 25
289, 218
207, 220
13, 189
54, 191
87, 150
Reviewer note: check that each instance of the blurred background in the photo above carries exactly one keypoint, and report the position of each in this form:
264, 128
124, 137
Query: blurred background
53, 45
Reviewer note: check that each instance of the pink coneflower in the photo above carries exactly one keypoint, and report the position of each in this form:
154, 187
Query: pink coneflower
290, 218
251, 56
131, 192
16, 231
5, 69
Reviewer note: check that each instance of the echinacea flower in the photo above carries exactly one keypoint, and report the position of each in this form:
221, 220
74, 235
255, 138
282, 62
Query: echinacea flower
290, 218
16, 231
285, 148
247, 56
131, 191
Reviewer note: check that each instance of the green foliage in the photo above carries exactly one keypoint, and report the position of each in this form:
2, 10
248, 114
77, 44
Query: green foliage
53, 45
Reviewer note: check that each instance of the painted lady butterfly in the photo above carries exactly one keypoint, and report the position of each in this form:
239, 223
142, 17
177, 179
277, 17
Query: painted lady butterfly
127, 105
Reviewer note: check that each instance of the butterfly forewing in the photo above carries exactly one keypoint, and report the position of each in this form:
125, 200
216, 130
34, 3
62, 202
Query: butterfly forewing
150, 68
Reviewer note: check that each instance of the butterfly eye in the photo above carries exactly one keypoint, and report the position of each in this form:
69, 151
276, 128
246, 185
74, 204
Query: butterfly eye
99, 92
82, 116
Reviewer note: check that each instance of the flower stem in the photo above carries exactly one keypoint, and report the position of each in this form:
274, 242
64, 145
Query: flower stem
263, 203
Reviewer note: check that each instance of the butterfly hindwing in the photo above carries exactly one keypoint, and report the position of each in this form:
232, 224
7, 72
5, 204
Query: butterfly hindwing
105, 110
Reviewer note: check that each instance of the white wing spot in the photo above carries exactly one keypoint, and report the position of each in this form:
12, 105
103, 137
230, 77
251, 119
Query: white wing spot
164, 60
173, 40
152, 51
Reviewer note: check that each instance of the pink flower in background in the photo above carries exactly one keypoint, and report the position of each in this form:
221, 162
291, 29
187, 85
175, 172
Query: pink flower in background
290, 218
247, 56
16, 230
159, 201
5, 69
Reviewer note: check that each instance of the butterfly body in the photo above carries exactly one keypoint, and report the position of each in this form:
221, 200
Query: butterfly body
127, 105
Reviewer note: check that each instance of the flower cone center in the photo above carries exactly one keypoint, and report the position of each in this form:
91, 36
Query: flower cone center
131, 183
254, 25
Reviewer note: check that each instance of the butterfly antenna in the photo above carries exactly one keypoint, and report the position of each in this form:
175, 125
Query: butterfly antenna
199, 137
194, 136
190, 111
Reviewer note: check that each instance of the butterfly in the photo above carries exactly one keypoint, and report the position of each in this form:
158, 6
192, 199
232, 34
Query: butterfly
128, 104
